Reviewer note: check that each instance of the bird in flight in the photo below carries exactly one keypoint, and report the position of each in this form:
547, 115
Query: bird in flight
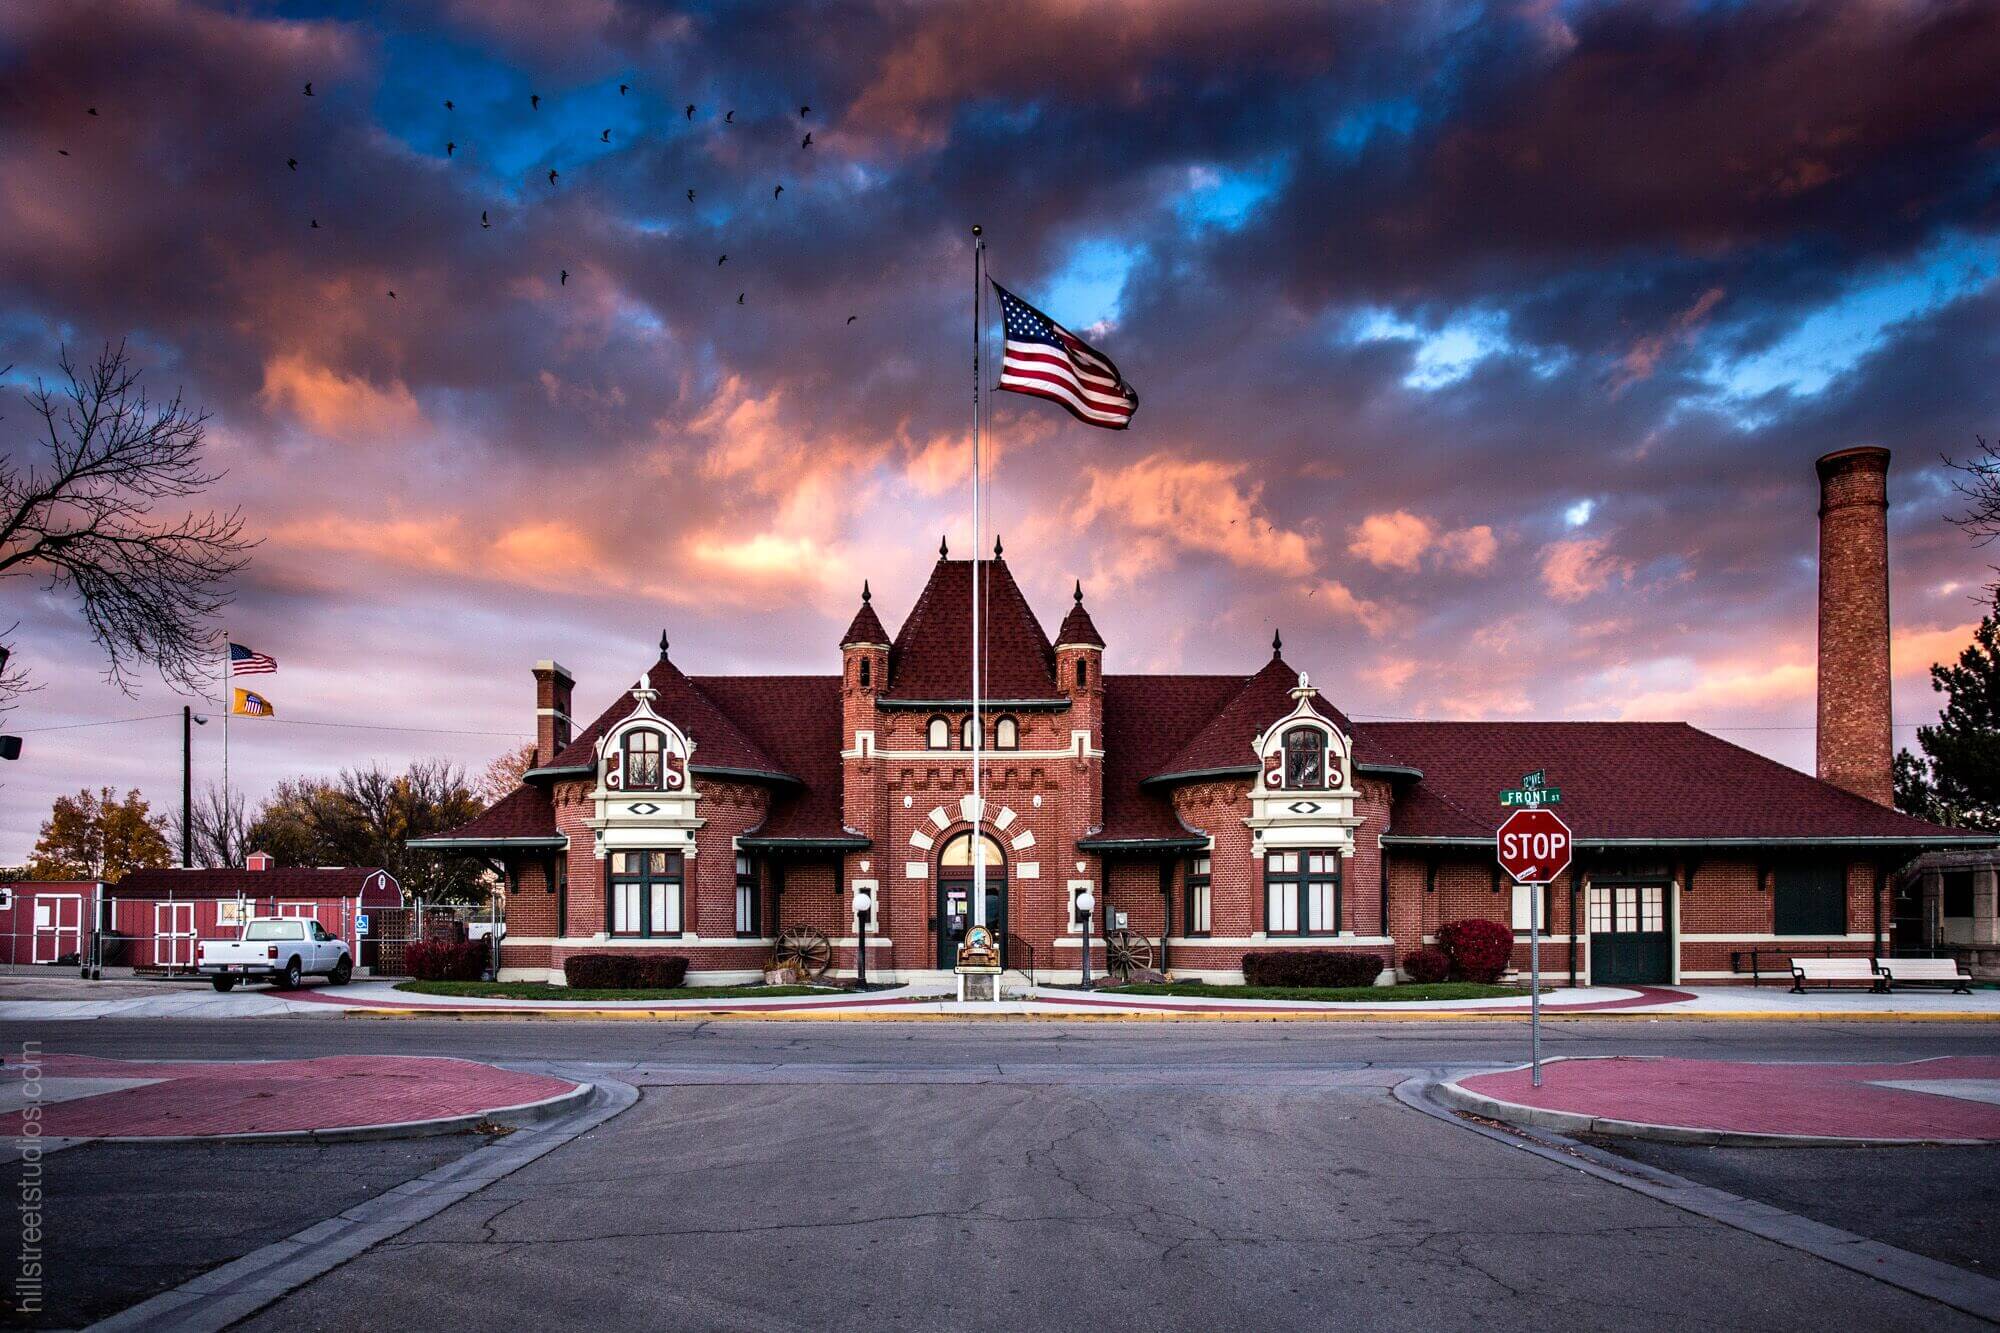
606, 136
450, 148
392, 296
720, 262
90, 111
690, 110
309, 88
565, 279
552, 175
778, 191
729, 119
534, 101
63, 151
806, 142
852, 318
804, 111
690, 196
292, 162
739, 297
448, 106
484, 225
315, 224
624, 88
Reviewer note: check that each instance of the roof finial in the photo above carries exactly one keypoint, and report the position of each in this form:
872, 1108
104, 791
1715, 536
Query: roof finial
866, 596
1277, 645
944, 552
663, 645
996, 546
1079, 592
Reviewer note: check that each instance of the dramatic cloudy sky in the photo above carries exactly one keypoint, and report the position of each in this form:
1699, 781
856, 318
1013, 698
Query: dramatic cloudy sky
1485, 349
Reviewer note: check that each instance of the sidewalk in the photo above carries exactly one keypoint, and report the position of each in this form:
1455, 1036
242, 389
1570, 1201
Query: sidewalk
77, 1097
1952, 1099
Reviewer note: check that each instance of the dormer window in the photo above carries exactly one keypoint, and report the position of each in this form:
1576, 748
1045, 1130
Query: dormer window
1305, 759
642, 760
1006, 734
939, 737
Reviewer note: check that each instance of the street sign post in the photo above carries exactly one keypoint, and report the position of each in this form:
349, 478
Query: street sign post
1534, 847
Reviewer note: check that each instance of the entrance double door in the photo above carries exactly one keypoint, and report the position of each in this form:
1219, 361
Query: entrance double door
954, 915
1629, 940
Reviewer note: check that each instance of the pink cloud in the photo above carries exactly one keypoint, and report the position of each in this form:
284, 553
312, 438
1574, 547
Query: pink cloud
1576, 569
1395, 540
1197, 504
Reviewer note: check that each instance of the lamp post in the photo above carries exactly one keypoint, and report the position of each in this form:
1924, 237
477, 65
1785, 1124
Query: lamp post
864, 906
1085, 901
189, 721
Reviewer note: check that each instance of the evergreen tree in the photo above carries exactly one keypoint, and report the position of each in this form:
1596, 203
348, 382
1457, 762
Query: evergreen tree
1956, 781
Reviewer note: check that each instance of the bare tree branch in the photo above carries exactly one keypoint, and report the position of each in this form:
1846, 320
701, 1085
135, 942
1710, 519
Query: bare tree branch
84, 519
1978, 484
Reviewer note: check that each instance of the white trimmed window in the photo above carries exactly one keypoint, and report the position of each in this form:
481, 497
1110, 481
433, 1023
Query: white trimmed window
1198, 904
938, 734
746, 896
1524, 907
1302, 892
1006, 734
645, 893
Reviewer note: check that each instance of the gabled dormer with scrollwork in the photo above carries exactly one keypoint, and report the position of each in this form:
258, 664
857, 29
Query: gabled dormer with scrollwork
1304, 793
644, 798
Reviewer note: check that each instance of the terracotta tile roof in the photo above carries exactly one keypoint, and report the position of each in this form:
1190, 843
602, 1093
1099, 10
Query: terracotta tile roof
867, 626
524, 812
1147, 720
932, 655
298, 882
795, 719
1621, 780
720, 742
1224, 742
1077, 626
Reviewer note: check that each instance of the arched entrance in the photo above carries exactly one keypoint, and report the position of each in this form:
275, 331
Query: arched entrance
954, 895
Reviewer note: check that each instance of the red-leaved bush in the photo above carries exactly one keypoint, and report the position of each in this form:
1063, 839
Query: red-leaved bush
1426, 966
1478, 948
624, 971
445, 960
1310, 967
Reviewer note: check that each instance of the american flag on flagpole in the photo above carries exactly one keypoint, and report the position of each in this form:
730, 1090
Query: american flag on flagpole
243, 662
1045, 359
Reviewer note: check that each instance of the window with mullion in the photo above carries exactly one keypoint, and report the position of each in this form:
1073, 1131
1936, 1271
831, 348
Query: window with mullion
746, 896
645, 894
1196, 904
1302, 893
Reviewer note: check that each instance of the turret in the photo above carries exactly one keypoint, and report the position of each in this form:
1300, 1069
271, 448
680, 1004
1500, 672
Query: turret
1080, 669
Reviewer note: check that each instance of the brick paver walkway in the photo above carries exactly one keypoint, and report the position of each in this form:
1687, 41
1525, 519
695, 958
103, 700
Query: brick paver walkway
1956, 1100
249, 1097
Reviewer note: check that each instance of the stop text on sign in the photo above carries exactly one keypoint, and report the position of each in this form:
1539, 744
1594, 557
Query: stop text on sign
1534, 845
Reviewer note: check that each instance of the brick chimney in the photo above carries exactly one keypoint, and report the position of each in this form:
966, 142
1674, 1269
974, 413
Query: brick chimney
1855, 746
553, 728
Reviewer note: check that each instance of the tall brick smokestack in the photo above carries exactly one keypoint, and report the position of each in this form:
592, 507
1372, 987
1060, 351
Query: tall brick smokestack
1855, 746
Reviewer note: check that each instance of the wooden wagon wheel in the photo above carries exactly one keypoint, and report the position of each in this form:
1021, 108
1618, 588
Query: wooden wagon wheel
805, 950
1126, 952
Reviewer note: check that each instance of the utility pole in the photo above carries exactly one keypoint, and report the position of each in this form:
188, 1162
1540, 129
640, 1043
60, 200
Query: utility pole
187, 786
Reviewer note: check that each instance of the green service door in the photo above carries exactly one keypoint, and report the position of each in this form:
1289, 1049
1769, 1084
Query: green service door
1629, 943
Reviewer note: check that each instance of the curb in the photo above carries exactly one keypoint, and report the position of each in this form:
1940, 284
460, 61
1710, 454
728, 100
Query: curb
1449, 1092
516, 1116
1099, 1015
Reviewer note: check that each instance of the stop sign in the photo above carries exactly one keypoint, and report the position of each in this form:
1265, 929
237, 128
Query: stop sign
1533, 845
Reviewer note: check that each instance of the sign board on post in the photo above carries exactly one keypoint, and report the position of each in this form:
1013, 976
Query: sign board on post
1534, 847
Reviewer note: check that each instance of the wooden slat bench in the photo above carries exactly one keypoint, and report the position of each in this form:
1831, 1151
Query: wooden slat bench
1835, 972
1923, 972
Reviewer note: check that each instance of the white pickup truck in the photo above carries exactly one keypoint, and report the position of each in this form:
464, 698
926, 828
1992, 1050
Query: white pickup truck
278, 949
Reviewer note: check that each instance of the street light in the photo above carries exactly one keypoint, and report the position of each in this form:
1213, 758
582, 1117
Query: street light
1085, 901
189, 721
864, 905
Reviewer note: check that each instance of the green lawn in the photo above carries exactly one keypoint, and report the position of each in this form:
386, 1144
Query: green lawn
1443, 990
538, 990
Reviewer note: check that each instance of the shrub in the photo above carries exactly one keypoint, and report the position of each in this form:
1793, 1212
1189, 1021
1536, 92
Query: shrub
1310, 967
445, 960
1427, 966
625, 971
1479, 949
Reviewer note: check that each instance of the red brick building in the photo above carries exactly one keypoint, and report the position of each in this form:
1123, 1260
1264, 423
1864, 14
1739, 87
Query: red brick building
1213, 814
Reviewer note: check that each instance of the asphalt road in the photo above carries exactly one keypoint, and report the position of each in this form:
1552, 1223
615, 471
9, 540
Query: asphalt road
1114, 1176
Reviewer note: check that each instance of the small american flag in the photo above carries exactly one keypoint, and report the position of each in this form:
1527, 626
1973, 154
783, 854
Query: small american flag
243, 662
1045, 359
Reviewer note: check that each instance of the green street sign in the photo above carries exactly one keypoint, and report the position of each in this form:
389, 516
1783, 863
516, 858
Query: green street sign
1531, 796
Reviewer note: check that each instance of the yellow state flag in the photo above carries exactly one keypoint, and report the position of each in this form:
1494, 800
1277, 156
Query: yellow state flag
249, 703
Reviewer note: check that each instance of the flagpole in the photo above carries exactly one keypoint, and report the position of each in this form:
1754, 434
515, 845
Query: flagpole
228, 707
978, 725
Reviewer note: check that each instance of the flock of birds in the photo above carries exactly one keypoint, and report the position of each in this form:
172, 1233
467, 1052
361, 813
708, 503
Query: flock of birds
555, 176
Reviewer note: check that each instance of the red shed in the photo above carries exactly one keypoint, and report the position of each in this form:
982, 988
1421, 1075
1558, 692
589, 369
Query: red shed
44, 921
154, 919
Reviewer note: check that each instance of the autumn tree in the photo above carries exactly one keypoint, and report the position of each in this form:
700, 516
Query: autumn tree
504, 774
1956, 780
94, 835
80, 517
